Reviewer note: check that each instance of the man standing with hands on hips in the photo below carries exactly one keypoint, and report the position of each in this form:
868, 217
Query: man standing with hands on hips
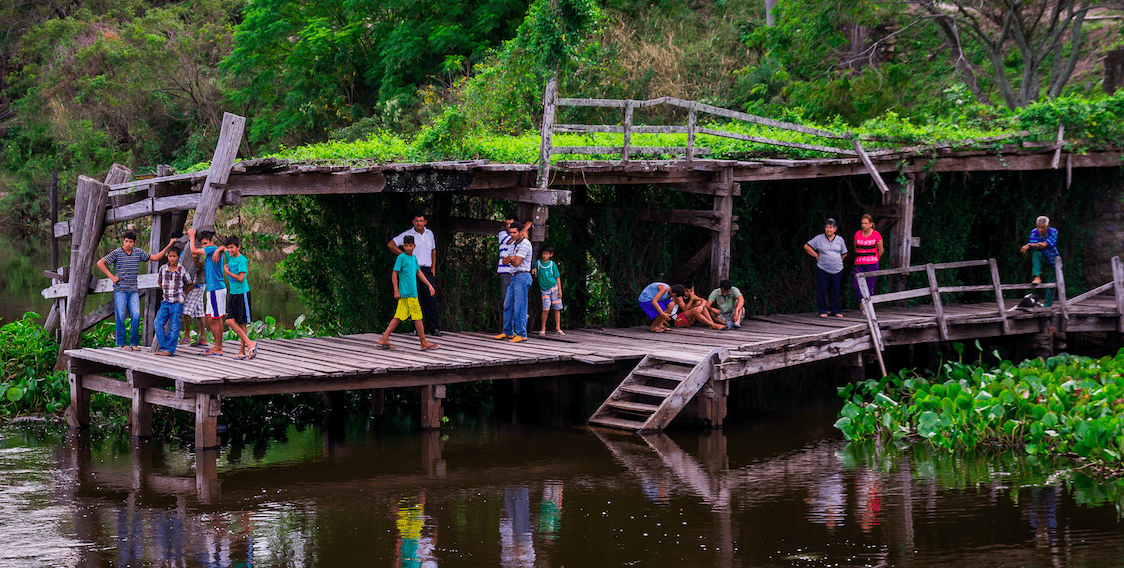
425, 250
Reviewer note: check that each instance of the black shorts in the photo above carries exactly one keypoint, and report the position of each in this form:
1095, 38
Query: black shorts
238, 308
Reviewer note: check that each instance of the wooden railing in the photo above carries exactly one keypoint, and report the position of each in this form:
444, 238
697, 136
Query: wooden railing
934, 290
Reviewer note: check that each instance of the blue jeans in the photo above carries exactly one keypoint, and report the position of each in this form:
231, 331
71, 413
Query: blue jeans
121, 301
170, 314
515, 305
827, 291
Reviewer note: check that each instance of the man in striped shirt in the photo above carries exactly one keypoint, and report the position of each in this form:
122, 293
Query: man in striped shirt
126, 260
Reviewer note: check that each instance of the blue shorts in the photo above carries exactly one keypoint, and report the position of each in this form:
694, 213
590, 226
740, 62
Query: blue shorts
551, 299
651, 311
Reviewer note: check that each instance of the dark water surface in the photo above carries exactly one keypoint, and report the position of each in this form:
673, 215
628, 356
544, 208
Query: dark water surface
771, 492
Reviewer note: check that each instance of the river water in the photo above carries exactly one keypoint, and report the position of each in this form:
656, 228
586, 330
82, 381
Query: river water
772, 491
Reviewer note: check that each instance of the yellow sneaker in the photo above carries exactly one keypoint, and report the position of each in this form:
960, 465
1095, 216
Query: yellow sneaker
501, 336
518, 338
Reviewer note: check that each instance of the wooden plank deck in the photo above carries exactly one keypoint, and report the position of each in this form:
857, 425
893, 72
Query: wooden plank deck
764, 343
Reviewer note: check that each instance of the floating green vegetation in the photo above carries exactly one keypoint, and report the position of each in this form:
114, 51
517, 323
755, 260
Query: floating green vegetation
1066, 405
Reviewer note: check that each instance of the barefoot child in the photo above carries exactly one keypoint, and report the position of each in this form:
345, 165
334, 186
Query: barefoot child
550, 283
405, 280
215, 298
174, 283
238, 298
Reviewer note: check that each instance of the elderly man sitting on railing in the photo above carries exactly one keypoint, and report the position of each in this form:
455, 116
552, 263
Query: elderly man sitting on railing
1044, 242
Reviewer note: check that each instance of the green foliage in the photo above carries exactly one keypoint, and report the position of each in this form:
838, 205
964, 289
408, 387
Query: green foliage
27, 383
553, 30
1063, 405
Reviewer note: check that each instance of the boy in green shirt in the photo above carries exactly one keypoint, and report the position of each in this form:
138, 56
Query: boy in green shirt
550, 282
238, 300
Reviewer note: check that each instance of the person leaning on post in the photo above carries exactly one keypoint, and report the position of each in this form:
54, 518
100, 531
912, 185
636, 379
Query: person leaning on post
1044, 244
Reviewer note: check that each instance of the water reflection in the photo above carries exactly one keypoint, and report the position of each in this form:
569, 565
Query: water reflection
494, 496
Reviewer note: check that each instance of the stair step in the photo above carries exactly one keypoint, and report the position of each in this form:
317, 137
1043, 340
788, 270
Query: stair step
668, 374
646, 390
673, 359
630, 406
617, 423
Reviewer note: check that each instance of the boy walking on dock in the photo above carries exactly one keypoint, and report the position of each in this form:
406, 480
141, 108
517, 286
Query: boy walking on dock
550, 284
126, 296
404, 279
238, 298
174, 285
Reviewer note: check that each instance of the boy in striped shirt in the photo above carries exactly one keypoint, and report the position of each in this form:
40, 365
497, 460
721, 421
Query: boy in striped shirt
126, 297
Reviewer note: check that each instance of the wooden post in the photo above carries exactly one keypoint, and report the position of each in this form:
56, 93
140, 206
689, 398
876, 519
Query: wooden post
720, 245
140, 415
78, 413
207, 474
712, 402
938, 305
1059, 280
692, 120
900, 240
431, 411
999, 294
1118, 291
206, 421
549, 99
872, 324
378, 403
89, 212
54, 219
225, 153
626, 147
431, 454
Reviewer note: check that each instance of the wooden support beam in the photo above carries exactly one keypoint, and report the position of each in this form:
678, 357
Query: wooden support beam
723, 233
712, 401
1118, 290
90, 201
938, 305
140, 414
378, 402
148, 207
476, 226
431, 411
994, 269
206, 421
78, 413
536, 196
549, 100
1059, 276
225, 151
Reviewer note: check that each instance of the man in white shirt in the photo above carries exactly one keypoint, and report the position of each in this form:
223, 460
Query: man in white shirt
425, 250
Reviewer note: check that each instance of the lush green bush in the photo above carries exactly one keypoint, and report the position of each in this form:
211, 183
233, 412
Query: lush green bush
1063, 405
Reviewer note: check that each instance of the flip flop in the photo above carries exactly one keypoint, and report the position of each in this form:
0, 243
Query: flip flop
253, 352
386, 346
200, 344
210, 353
431, 347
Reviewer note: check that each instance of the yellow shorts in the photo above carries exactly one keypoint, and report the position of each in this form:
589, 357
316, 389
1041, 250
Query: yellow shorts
408, 308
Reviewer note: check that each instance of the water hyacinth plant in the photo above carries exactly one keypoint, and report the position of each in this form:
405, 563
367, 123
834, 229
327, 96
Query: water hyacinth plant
1065, 405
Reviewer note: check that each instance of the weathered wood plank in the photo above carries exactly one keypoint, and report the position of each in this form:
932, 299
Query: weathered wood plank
230, 138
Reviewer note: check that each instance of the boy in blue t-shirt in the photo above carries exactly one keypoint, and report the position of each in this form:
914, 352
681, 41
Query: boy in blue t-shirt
549, 278
404, 279
238, 298
215, 299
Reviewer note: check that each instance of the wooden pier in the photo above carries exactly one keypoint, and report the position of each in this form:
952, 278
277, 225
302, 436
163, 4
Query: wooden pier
663, 371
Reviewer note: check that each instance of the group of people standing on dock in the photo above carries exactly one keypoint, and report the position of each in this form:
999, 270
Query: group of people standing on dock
208, 296
830, 250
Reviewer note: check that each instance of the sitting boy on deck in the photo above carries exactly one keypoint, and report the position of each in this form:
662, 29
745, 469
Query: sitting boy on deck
696, 310
404, 280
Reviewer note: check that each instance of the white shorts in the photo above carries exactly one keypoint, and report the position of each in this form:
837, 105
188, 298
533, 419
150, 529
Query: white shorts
216, 303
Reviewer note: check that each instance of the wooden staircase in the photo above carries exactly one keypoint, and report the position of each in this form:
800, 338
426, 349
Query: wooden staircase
654, 392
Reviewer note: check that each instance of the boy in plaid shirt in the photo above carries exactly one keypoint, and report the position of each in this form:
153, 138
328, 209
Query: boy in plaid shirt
174, 283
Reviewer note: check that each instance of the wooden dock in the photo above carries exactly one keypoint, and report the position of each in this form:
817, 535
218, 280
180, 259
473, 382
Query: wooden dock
197, 383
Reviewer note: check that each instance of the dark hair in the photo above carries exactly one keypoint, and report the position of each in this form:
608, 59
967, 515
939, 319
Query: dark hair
678, 290
725, 284
407, 240
176, 250
515, 224
547, 248
207, 235
687, 284
131, 235
233, 240
175, 234
418, 214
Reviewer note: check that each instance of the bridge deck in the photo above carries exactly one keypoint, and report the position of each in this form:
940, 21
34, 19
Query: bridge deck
190, 381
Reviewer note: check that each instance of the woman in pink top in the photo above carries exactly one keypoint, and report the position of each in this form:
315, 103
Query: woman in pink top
868, 249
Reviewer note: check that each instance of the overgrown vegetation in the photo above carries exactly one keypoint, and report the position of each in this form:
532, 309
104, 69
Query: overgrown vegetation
1065, 405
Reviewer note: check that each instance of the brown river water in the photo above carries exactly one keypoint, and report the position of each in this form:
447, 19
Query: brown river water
778, 490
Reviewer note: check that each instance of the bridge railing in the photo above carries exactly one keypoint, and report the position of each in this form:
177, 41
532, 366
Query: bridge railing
934, 290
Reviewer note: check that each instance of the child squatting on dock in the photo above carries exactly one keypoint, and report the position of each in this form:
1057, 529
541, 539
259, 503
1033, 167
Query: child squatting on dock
404, 279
